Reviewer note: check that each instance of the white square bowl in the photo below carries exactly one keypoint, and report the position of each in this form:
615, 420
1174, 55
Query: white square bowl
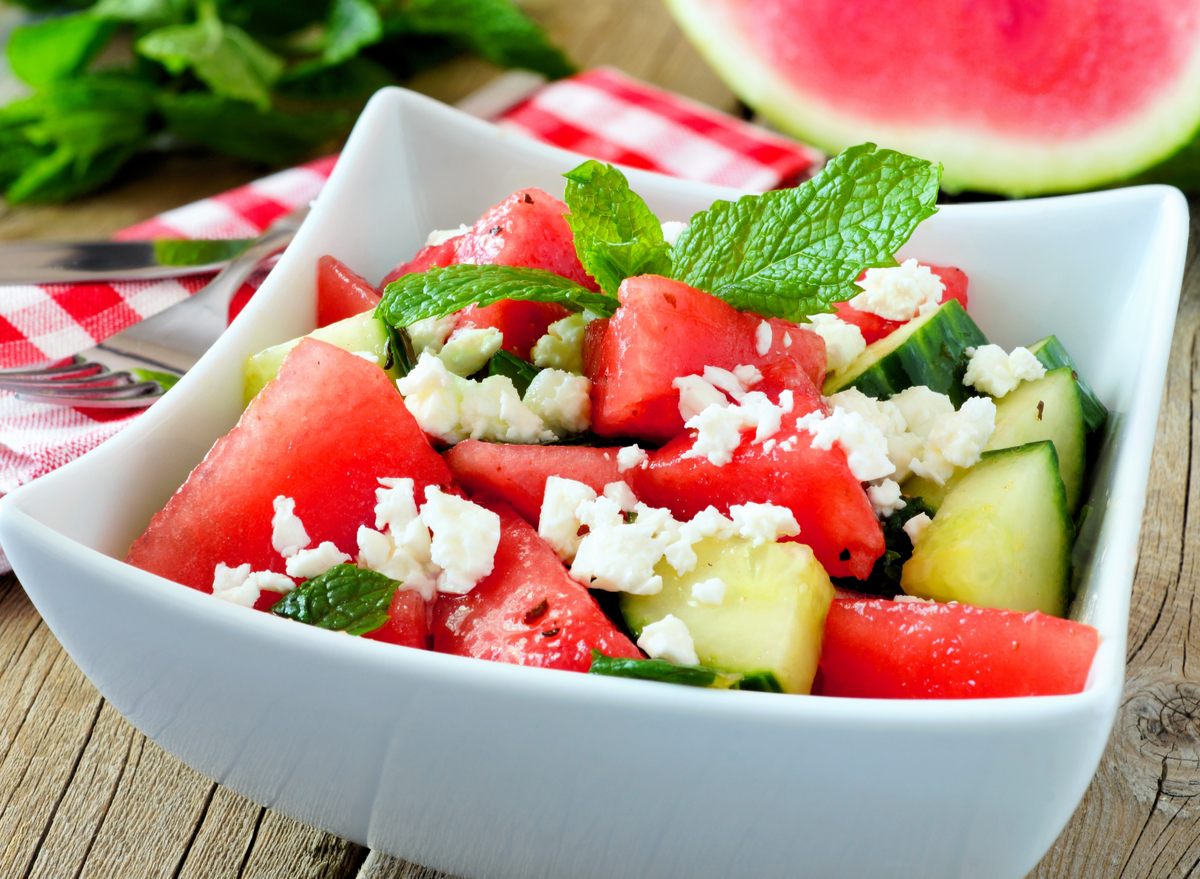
485, 769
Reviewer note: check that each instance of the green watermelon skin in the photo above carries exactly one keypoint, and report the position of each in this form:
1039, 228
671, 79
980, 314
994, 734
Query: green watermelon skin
322, 433
1012, 98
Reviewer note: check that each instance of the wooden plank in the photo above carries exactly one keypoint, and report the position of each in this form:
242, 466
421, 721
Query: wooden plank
284, 847
381, 866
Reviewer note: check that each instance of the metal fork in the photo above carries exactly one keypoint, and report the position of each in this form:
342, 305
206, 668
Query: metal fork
138, 365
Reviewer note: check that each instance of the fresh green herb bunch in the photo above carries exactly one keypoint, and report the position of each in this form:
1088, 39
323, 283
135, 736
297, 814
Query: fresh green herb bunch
265, 80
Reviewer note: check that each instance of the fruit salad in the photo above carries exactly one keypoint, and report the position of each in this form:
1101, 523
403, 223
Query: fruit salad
747, 451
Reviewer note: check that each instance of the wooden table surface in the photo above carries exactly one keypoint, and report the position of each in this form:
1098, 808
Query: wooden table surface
82, 793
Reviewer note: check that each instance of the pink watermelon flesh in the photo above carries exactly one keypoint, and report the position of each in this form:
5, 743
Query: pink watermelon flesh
322, 433
1052, 69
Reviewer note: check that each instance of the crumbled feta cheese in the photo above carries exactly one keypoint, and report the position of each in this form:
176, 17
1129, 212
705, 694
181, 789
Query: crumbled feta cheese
916, 526
710, 591
992, 371
270, 581
707, 523
956, 440
617, 556
229, 584
762, 338
441, 236
920, 408
406, 560
764, 416
669, 639
671, 231
469, 349
735, 383
768, 446
885, 498
763, 523
901, 445
622, 494
915, 599
899, 293
863, 443
558, 523
369, 356
696, 395
748, 374
452, 408
843, 341
562, 346
787, 340
431, 333
630, 457
561, 400
718, 434
395, 505
288, 536
309, 563
465, 537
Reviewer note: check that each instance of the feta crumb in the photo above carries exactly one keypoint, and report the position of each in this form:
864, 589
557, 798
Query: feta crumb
465, 537
956, 439
395, 505
787, 340
762, 338
710, 591
843, 341
270, 581
370, 356
763, 523
748, 374
561, 400
558, 523
920, 407
885, 415
863, 443
669, 639
671, 231
696, 395
620, 557
309, 563
562, 345
916, 526
469, 349
288, 536
992, 371
718, 434
885, 498
229, 584
441, 236
431, 333
768, 446
724, 380
899, 293
402, 550
707, 523
622, 494
630, 457
914, 599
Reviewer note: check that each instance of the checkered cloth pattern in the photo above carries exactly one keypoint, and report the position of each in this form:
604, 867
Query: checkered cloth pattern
601, 113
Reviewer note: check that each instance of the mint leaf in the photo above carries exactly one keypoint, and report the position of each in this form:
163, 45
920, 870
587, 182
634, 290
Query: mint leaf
616, 235
660, 670
353, 24
439, 292
57, 48
155, 11
793, 252
345, 598
231, 62
885, 575
494, 29
520, 372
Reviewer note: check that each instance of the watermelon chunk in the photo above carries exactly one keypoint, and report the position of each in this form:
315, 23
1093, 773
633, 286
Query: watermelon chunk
528, 611
517, 474
521, 322
432, 256
663, 330
407, 625
830, 506
874, 327
322, 434
341, 293
880, 649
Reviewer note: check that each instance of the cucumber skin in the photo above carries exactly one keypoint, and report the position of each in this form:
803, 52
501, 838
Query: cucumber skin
1052, 355
934, 356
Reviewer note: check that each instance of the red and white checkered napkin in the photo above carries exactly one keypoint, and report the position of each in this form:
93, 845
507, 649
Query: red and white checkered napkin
601, 113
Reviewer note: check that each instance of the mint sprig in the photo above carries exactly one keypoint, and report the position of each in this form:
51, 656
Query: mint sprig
520, 372
662, 671
345, 598
616, 235
439, 292
793, 252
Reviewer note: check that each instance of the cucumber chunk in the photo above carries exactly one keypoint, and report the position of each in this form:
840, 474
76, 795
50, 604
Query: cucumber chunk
1049, 408
1002, 537
361, 334
770, 622
927, 350
1052, 355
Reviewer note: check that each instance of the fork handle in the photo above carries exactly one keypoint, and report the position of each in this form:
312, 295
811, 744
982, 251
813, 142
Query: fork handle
179, 336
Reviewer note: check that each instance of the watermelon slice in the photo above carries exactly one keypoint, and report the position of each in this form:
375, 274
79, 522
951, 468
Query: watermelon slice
1015, 98
518, 474
663, 330
875, 648
874, 327
528, 611
322, 433
341, 293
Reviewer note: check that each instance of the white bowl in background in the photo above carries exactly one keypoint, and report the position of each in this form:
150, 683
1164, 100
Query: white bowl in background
484, 769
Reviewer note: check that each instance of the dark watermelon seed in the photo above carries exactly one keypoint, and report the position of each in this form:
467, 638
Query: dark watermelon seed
536, 612
528, 199
495, 230
844, 555
550, 633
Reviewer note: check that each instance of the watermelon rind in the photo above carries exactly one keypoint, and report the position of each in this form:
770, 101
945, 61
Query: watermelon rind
1156, 144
